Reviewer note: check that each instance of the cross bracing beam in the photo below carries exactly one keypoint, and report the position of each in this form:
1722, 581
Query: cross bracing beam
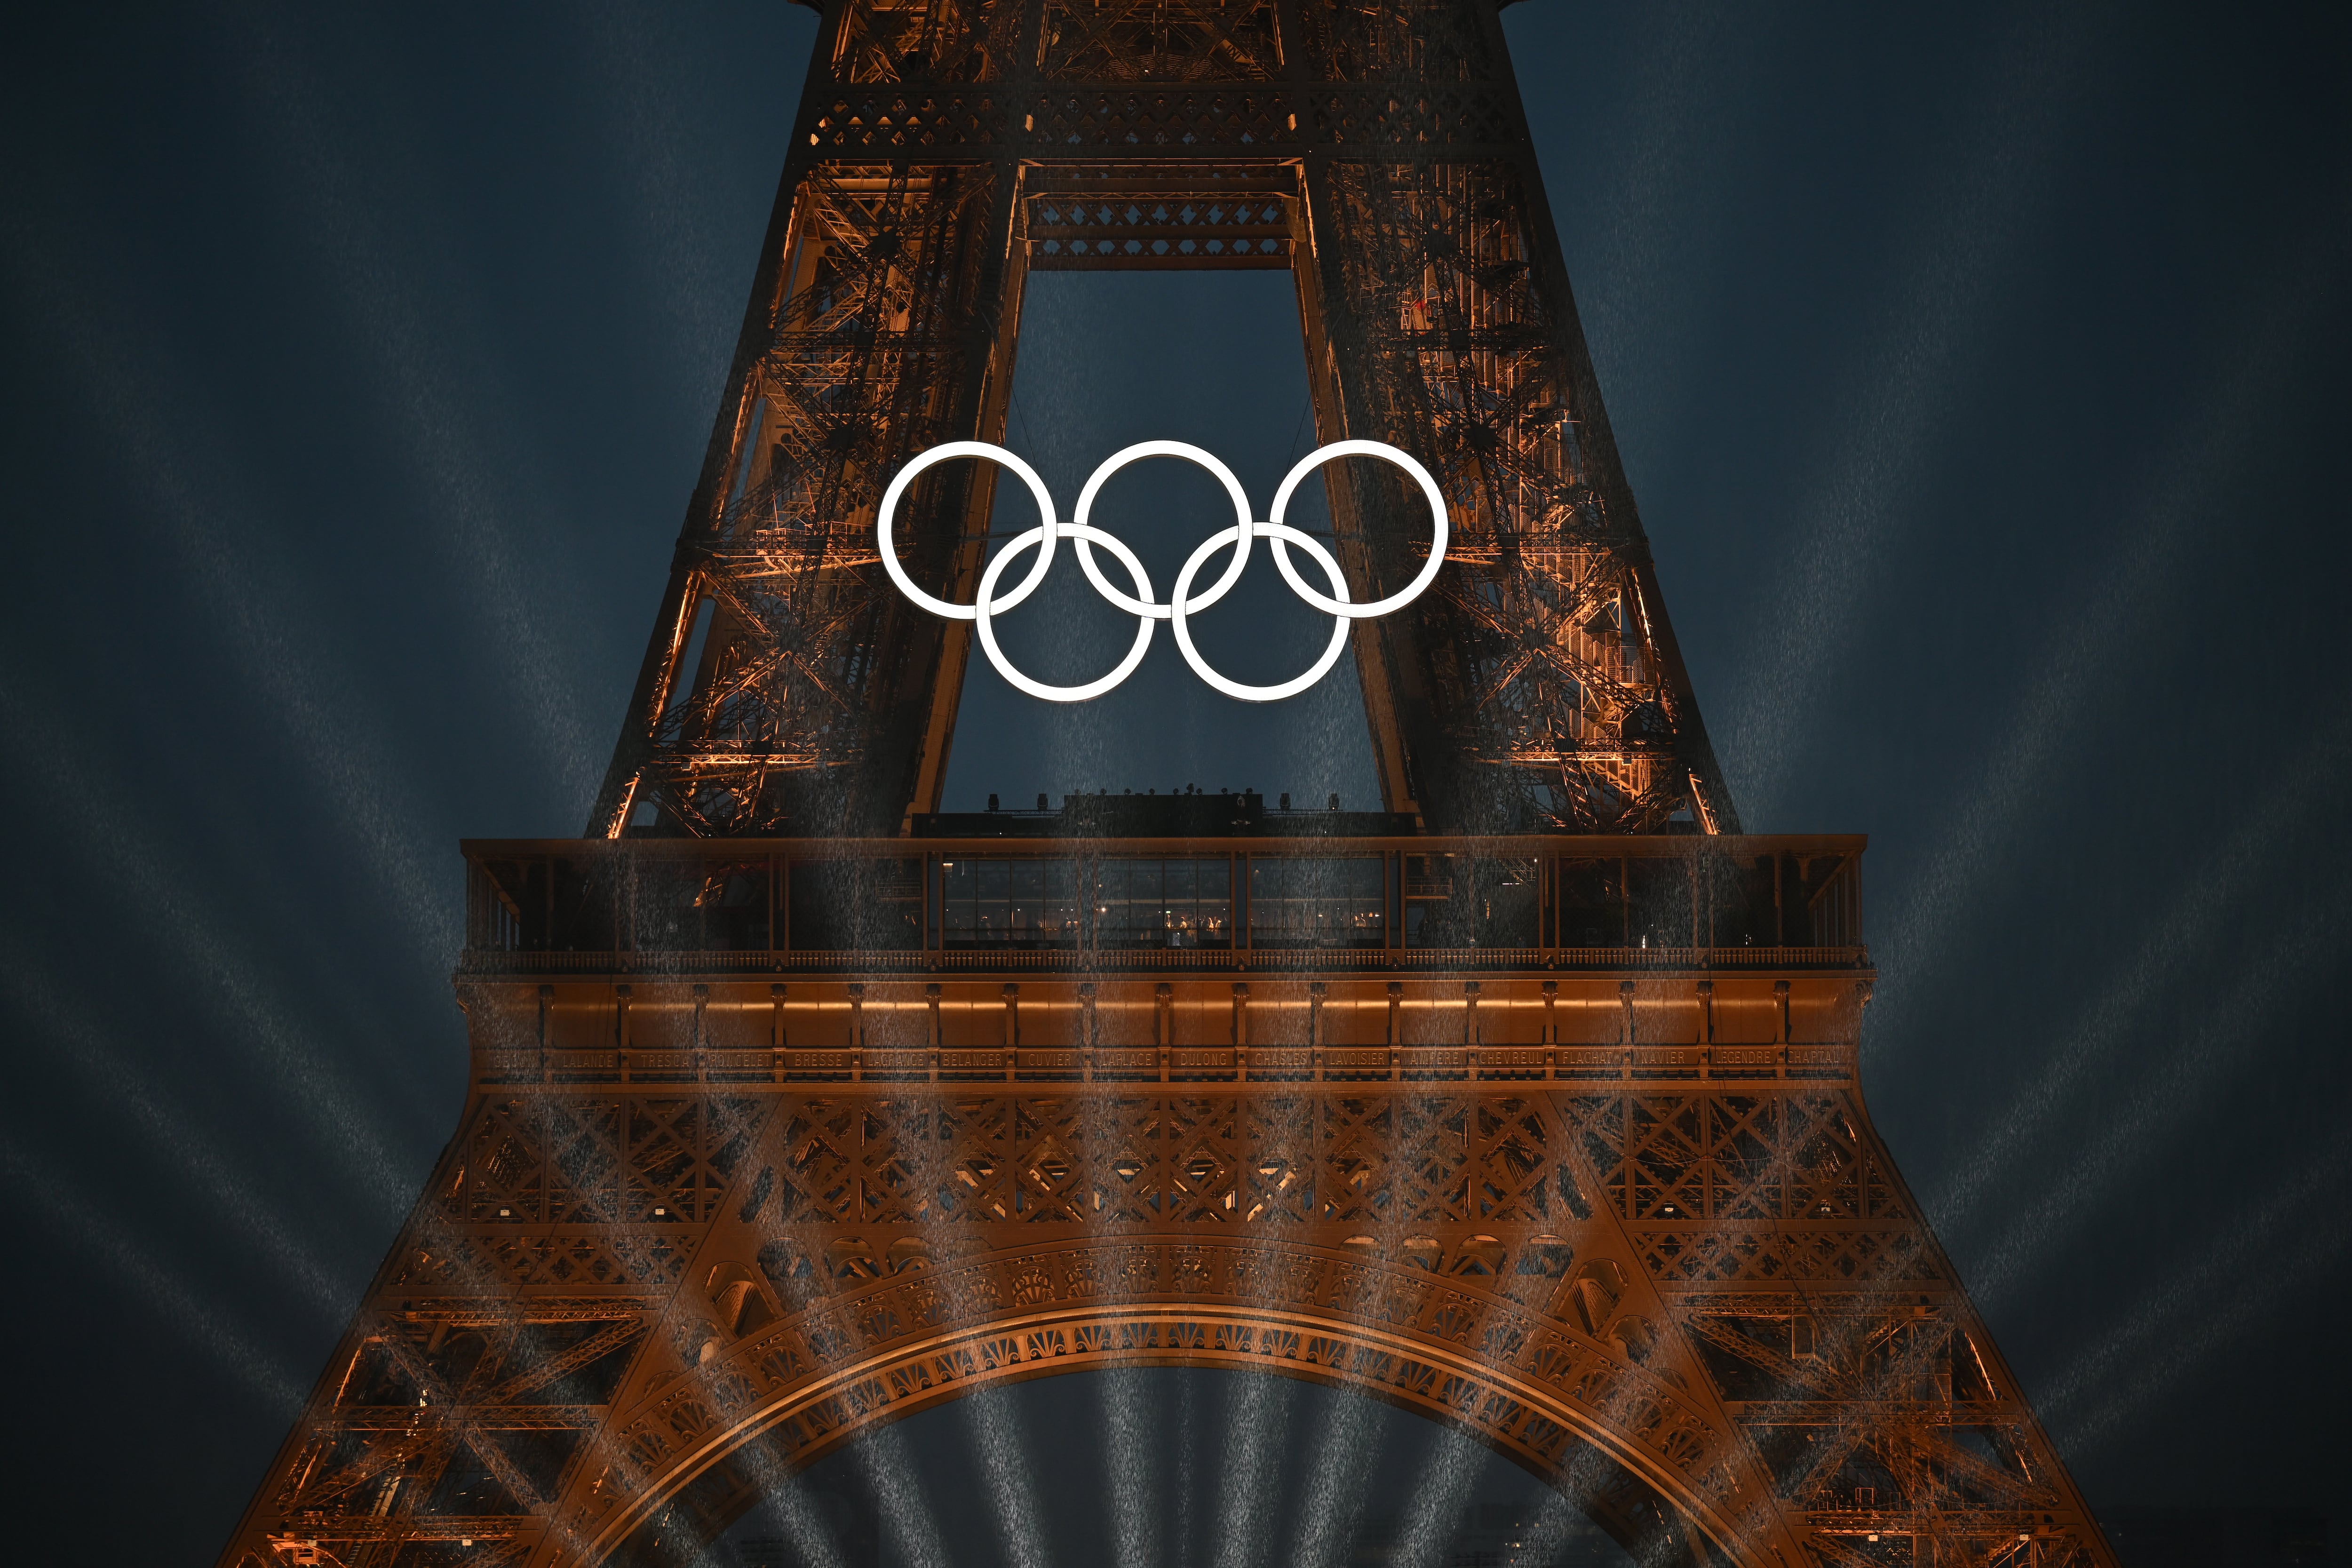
742, 1186
795, 1108
1380, 156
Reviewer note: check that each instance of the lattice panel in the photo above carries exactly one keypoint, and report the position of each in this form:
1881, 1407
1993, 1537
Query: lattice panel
979, 1183
1280, 1170
1358, 1158
874, 124
818, 1164
1132, 1172
1743, 1150
460, 1264
1416, 118
1053, 1175
583, 1154
902, 1165
1515, 1176
1881, 1406
1204, 228
1432, 1159
447, 1421
1160, 40
1833, 1253
505, 1169
1423, 44
1140, 119
1268, 1159
1541, 641
869, 361
1692, 1155
1205, 1158
590, 1161
920, 40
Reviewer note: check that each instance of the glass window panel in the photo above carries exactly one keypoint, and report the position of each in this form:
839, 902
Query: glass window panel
1007, 903
1742, 908
1175, 902
562, 905
853, 905
1590, 897
1300, 901
1455, 900
695, 905
1658, 892
1509, 892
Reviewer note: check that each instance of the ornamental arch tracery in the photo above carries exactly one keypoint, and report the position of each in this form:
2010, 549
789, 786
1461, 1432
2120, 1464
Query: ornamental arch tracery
1635, 1514
701, 1224
796, 1328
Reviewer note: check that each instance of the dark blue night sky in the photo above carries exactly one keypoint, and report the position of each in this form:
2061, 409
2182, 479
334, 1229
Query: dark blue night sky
1981, 373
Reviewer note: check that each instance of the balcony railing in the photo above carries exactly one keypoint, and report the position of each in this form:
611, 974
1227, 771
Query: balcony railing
1170, 1064
1260, 960
883, 907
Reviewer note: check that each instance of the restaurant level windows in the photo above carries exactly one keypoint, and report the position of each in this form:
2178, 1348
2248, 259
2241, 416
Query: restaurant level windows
857, 905
1318, 901
695, 905
1179, 902
1742, 902
1658, 900
1008, 903
1462, 900
1590, 900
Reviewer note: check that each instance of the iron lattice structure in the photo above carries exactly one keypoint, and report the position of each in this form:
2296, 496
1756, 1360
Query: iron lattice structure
1555, 1139
795, 1108
1381, 155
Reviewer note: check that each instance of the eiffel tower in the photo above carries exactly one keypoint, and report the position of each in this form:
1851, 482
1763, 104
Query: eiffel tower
1529, 1103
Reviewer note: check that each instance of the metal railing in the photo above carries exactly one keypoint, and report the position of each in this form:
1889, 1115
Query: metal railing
1190, 959
948, 1066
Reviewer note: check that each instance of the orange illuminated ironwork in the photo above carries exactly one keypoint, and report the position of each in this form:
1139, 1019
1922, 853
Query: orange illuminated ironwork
1529, 1102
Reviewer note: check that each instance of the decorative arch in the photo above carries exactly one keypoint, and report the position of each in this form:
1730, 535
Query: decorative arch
1633, 1513
1628, 1442
1704, 1311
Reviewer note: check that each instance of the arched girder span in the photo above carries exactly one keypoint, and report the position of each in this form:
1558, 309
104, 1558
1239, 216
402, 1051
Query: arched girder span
1617, 1443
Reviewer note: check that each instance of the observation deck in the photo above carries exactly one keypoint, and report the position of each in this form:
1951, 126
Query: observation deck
1273, 948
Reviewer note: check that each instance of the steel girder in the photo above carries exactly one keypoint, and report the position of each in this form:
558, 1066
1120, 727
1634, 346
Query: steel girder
1671, 1269
1637, 1234
1382, 155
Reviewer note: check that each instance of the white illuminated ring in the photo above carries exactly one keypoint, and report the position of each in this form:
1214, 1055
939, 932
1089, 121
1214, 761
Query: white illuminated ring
1279, 533
1413, 590
1047, 528
1242, 524
1280, 536
984, 610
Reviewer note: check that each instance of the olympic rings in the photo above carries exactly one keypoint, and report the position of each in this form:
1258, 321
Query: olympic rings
941, 453
1279, 536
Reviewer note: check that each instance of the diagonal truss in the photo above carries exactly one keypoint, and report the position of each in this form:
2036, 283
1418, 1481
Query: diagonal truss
1614, 1206
1378, 153
1683, 1282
